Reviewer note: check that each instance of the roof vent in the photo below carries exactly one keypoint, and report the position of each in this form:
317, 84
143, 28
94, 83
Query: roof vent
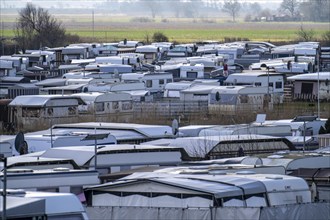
61, 169
275, 157
217, 172
274, 177
19, 171
245, 172
194, 172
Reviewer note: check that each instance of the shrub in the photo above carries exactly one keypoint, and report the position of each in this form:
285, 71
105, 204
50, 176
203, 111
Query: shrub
159, 37
142, 19
305, 35
165, 20
326, 38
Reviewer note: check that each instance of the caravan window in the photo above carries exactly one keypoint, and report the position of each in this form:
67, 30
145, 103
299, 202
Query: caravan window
115, 105
99, 107
228, 99
192, 75
149, 83
278, 85
127, 106
256, 200
31, 112
244, 98
161, 82
149, 56
72, 110
271, 84
235, 201
257, 83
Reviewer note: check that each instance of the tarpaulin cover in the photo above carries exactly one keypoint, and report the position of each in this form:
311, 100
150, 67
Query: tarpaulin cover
309, 211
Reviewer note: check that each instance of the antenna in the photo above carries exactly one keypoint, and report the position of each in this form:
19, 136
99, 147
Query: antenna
93, 23
175, 127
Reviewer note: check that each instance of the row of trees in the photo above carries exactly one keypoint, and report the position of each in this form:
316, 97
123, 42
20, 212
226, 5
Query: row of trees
311, 10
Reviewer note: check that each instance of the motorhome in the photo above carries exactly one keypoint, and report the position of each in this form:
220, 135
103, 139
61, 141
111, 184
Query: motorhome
151, 52
311, 86
174, 195
184, 50
109, 105
232, 99
7, 68
75, 52
275, 81
154, 81
31, 110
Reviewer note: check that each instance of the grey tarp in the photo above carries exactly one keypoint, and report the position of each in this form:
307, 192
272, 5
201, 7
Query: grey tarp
310, 211
317, 211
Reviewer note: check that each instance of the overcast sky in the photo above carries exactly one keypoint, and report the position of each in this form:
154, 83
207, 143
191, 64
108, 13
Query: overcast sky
92, 3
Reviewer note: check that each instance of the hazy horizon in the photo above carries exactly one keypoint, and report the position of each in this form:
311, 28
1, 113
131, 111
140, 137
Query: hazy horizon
94, 3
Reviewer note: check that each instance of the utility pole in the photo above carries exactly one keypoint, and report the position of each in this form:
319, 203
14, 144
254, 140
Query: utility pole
318, 81
93, 24
3, 158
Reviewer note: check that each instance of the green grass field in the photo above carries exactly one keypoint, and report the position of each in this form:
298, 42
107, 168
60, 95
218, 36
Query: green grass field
190, 35
110, 29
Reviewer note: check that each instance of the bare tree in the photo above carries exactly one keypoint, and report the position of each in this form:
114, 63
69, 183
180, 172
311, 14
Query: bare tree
36, 28
316, 10
231, 7
305, 35
152, 5
291, 6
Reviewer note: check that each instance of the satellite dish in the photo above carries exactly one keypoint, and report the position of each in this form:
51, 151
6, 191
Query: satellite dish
261, 118
175, 127
20, 143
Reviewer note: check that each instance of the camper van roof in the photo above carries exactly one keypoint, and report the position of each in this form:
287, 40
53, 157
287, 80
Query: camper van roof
39, 100
310, 77
32, 159
200, 146
83, 154
142, 129
217, 185
199, 88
